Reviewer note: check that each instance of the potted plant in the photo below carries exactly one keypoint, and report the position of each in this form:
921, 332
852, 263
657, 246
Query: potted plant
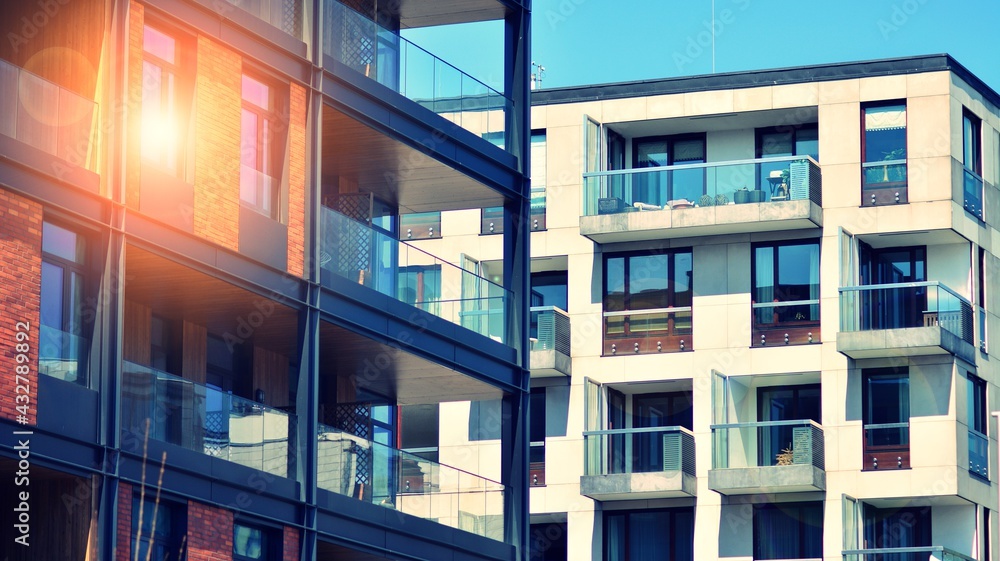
706, 200
741, 196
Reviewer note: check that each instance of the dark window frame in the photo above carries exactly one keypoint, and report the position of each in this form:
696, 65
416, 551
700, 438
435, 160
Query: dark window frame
799, 331
273, 151
888, 191
182, 94
81, 326
888, 456
803, 553
175, 548
972, 172
670, 530
270, 547
536, 436
674, 338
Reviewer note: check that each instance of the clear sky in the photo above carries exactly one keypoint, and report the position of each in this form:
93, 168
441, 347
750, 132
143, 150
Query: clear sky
583, 42
597, 41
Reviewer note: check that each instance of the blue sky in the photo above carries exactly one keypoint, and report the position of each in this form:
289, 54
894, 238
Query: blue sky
598, 41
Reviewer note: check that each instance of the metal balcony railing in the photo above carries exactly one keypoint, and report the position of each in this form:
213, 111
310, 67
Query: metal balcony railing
767, 443
285, 15
384, 56
206, 420
375, 259
47, 116
906, 305
383, 475
551, 328
639, 450
760, 180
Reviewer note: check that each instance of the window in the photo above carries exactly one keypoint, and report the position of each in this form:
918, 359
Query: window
883, 150
891, 528
548, 288
547, 542
647, 302
165, 101
785, 293
418, 430
420, 286
158, 529
977, 418
972, 162
658, 188
981, 301
784, 403
788, 531
647, 535
251, 543
536, 430
783, 142
63, 346
886, 412
260, 153
538, 166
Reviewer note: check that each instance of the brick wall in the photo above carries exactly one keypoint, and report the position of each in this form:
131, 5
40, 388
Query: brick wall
217, 144
136, 15
297, 179
20, 288
124, 549
210, 533
290, 544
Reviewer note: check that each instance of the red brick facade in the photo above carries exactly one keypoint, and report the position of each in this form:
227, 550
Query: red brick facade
217, 144
210, 533
136, 15
124, 549
290, 544
297, 180
20, 293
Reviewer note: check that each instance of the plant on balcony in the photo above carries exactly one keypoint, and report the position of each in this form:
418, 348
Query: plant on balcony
741, 196
785, 457
706, 200
721, 199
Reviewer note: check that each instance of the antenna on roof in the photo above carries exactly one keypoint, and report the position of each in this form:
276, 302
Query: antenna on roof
537, 74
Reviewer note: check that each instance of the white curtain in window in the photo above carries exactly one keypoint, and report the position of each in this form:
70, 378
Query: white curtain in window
885, 118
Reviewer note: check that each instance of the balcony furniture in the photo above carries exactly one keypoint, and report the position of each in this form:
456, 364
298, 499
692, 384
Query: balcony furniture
680, 203
610, 205
778, 185
645, 206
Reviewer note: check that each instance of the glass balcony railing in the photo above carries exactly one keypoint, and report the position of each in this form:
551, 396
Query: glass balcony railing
905, 305
51, 118
702, 185
639, 450
375, 259
767, 443
973, 193
382, 55
285, 15
382, 475
932, 553
979, 461
258, 191
550, 329
62, 355
206, 420
648, 331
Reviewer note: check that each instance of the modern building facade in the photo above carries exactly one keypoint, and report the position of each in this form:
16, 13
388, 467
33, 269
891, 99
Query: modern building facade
215, 342
764, 308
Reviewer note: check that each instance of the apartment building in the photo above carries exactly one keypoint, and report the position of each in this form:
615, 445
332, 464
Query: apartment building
764, 308
215, 341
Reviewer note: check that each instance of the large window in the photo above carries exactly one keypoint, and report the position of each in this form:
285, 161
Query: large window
536, 432
972, 162
647, 302
260, 150
886, 412
165, 98
785, 293
158, 529
788, 531
891, 528
63, 343
251, 543
657, 188
649, 535
976, 416
884, 154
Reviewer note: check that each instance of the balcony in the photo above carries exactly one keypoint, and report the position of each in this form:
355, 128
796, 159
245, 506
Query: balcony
62, 355
48, 117
660, 330
905, 319
640, 463
203, 419
972, 188
767, 457
979, 461
384, 56
932, 553
884, 182
379, 474
550, 343
702, 199
374, 259
285, 15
